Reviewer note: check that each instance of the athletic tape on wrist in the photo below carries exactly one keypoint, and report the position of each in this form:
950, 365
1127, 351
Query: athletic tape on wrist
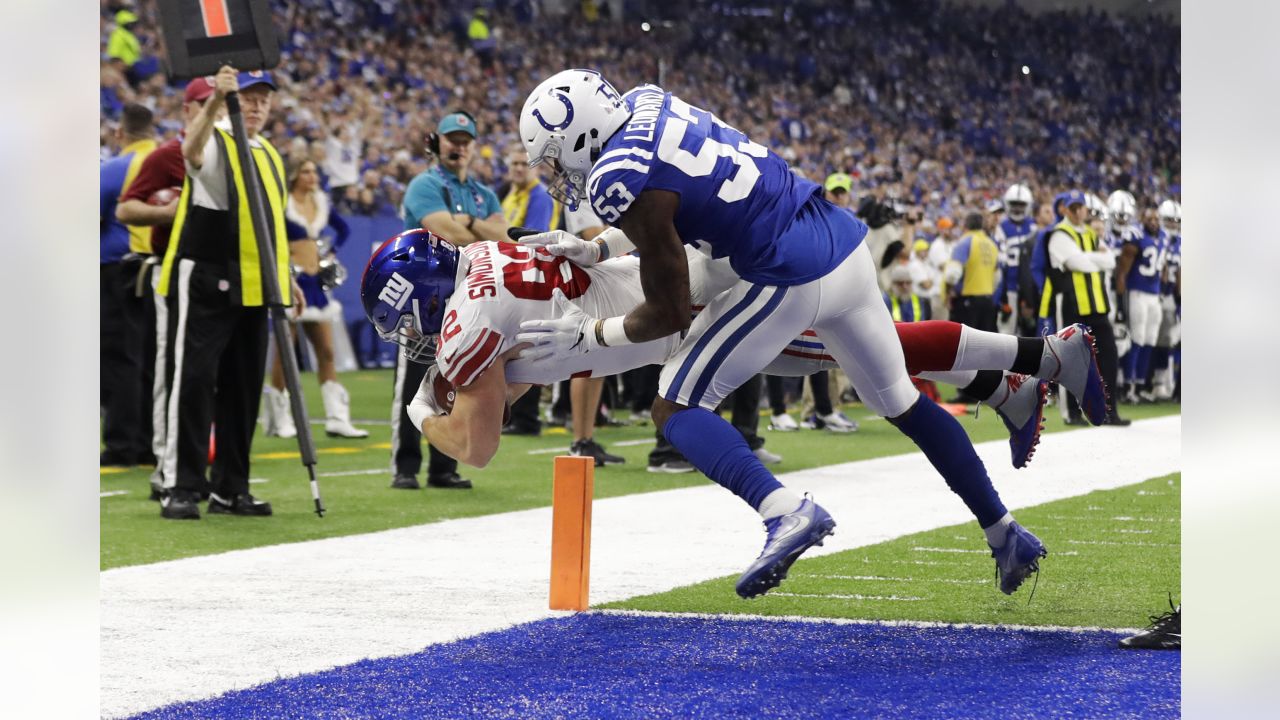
612, 332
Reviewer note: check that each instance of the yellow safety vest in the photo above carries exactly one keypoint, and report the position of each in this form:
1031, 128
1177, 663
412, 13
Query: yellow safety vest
247, 271
1084, 291
980, 268
139, 235
896, 309
516, 204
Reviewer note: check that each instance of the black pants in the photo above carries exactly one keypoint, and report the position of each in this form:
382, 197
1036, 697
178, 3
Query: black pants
406, 440
214, 369
976, 311
818, 384
127, 336
642, 386
524, 412
1104, 338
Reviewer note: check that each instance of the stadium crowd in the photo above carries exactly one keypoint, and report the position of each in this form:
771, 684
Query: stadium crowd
925, 113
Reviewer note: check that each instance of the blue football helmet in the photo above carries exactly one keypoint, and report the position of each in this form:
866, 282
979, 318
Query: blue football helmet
404, 290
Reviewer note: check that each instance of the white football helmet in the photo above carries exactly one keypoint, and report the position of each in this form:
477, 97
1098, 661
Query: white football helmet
1123, 207
1170, 213
1097, 208
1017, 202
565, 122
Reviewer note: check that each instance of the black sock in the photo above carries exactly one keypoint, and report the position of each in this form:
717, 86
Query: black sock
984, 385
1027, 361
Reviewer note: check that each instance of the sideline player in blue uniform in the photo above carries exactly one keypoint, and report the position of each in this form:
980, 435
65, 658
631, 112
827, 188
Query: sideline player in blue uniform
666, 173
1138, 289
1011, 237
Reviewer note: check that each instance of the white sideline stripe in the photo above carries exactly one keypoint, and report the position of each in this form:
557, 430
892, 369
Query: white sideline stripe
112, 493
1113, 542
918, 548
880, 578
838, 596
318, 604
346, 473
855, 621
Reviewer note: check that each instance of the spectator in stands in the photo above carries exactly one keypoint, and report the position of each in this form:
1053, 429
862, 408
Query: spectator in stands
126, 429
971, 274
124, 45
450, 203
312, 250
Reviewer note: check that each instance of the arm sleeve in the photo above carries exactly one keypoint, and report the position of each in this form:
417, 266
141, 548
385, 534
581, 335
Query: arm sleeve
341, 231
1064, 253
538, 215
616, 182
463, 357
424, 197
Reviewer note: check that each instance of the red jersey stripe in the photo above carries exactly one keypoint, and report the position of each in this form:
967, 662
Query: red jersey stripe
481, 360
456, 360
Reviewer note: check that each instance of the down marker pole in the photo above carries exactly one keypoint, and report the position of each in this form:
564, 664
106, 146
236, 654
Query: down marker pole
572, 490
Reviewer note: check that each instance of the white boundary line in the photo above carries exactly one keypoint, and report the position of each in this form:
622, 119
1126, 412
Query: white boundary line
853, 621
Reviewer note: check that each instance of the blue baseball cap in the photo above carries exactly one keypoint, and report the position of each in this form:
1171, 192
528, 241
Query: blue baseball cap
455, 122
1072, 197
250, 78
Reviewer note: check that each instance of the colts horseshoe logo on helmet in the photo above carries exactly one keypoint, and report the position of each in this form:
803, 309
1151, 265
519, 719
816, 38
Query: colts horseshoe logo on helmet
568, 114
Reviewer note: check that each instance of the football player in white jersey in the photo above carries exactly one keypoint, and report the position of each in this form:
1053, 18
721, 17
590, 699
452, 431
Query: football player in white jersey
417, 286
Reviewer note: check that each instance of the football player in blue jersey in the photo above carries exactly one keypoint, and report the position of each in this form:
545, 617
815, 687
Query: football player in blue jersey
666, 173
1011, 236
1138, 272
1166, 356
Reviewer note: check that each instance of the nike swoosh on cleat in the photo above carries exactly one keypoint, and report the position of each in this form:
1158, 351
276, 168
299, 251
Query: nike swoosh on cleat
800, 524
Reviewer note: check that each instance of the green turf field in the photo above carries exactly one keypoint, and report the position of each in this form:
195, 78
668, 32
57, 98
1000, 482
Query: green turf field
1113, 558
359, 500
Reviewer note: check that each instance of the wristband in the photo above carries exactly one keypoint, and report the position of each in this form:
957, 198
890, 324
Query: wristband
614, 243
610, 332
602, 248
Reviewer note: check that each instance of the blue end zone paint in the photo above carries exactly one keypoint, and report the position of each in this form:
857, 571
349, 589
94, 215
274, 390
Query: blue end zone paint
602, 666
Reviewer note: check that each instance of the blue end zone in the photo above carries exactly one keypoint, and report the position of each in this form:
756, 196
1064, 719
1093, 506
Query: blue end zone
624, 666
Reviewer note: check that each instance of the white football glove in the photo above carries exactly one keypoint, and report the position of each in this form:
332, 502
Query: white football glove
570, 332
563, 244
424, 405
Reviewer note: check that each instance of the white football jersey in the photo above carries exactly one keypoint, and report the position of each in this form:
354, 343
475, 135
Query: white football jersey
501, 285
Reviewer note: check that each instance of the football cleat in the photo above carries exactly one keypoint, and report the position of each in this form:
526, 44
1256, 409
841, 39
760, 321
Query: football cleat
1020, 405
783, 423
242, 504
180, 505
1017, 558
766, 457
592, 449
1070, 360
671, 467
788, 537
1164, 632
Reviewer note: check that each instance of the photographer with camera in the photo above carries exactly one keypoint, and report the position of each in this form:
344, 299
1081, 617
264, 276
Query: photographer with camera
307, 216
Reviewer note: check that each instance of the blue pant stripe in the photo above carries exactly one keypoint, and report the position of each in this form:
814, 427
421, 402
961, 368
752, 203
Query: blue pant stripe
673, 392
713, 366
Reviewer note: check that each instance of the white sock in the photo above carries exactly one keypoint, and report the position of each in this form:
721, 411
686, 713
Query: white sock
995, 534
779, 502
979, 350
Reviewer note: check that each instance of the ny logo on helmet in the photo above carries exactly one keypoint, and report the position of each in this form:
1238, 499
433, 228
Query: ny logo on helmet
397, 291
568, 113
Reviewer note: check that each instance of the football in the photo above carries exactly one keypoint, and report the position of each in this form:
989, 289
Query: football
445, 394
164, 196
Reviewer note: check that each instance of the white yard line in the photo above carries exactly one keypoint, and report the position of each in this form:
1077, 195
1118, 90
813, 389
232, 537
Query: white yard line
198, 627
112, 493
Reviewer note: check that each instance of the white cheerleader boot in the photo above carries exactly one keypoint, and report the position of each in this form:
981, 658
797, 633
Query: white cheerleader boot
337, 410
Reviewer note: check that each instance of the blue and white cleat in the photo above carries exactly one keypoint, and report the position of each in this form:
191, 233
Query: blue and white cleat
1020, 405
1018, 558
1070, 360
789, 536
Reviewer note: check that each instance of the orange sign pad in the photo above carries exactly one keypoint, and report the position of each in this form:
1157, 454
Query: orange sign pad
571, 531
217, 21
